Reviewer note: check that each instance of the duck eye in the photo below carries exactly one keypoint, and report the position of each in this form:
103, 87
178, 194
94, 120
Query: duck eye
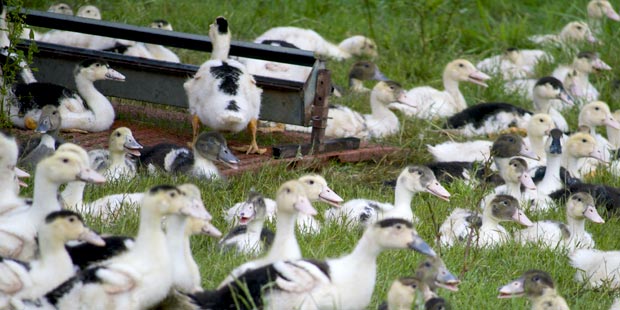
461, 65
596, 108
366, 66
118, 134
288, 190
579, 199
311, 182
541, 120
173, 195
427, 264
583, 140
578, 27
65, 160
535, 278
398, 227
414, 286
72, 219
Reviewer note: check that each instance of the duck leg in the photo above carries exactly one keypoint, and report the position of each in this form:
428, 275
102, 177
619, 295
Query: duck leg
253, 147
195, 129
278, 127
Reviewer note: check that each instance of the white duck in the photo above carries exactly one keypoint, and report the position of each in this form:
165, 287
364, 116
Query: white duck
597, 11
330, 284
76, 39
316, 190
9, 173
250, 237
114, 163
412, 180
277, 70
87, 109
134, 280
161, 52
61, 8
223, 95
514, 63
18, 230
291, 200
573, 32
427, 102
584, 63
569, 236
484, 230
596, 268
307, 39
538, 287
552, 179
29, 281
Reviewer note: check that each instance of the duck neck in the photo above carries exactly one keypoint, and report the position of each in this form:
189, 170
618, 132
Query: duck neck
452, 87
613, 135
571, 163
541, 105
357, 85
73, 195
402, 200
501, 163
285, 244
537, 144
365, 254
221, 47
150, 236
205, 167
380, 112
514, 189
488, 220
256, 225
52, 251
552, 172
45, 198
97, 103
576, 226
117, 158
175, 235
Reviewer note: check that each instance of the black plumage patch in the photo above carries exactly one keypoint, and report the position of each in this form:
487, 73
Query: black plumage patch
236, 231
60, 214
118, 48
232, 106
474, 220
163, 187
156, 155
85, 254
603, 195
587, 55
267, 236
279, 43
37, 95
478, 114
85, 276
228, 76
394, 221
446, 172
89, 62
161, 21
555, 83
222, 25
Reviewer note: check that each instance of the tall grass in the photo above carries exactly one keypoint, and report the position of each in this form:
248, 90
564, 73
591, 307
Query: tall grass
416, 39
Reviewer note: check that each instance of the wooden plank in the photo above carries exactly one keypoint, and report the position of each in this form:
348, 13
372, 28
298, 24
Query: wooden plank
320, 108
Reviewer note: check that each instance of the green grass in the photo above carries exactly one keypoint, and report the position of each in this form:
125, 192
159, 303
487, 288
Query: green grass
416, 39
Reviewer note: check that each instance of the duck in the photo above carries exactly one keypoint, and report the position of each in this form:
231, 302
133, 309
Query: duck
31, 280
413, 179
308, 39
553, 178
223, 95
420, 288
43, 145
569, 236
514, 63
115, 162
321, 284
427, 103
208, 148
596, 268
61, 8
584, 63
76, 39
132, 280
343, 121
9, 173
538, 287
250, 237
485, 230
316, 188
291, 199
518, 180
161, 52
87, 109
599, 10
364, 71
613, 134
18, 230
277, 70
538, 127
580, 145
572, 33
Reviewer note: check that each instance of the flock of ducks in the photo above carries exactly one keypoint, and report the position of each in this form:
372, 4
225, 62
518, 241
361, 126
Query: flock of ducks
49, 259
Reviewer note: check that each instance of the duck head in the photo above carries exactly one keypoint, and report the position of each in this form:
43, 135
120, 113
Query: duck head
68, 225
122, 141
540, 125
49, 120
597, 113
509, 145
291, 197
532, 283
317, 190
419, 178
589, 62
548, 87
462, 70
582, 144
581, 205
95, 70
396, 233
253, 208
89, 11
577, 32
518, 173
598, 9
212, 146
506, 208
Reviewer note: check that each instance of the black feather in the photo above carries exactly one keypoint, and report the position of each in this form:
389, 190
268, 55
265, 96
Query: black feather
37, 95
228, 76
85, 276
85, 254
603, 195
267, 236
156, 156
478, 114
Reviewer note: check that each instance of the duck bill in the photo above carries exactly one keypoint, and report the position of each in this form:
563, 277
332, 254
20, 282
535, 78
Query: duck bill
520, 217
114, 75
196, 210
437, 190
304, 206
330, 197
132, 146
478, 78
600, 65
566, 98
21, 173
92, 238
210, 230
445, 279
611, 14
419, 245
591, 214
526, 152
226, 156
90, 176
526, 180
596, 154
611, 122
591, 38
43, 125
379, 76
512, 289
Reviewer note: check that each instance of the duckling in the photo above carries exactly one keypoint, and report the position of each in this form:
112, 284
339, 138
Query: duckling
87, 109
18, 230
222, 94
316, 188
583, 64
248, 238
209, 147
330, 284
134, 280
345, 122
61, 8
516, 176
484, 230
538, 287
364, 71
514, 63
291, 199
160, 52
115, 162
39, 147
412, 180
31, 280
307, 39
277, 70
573, 32
570, 236
597, 11
580, 145
426, 102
